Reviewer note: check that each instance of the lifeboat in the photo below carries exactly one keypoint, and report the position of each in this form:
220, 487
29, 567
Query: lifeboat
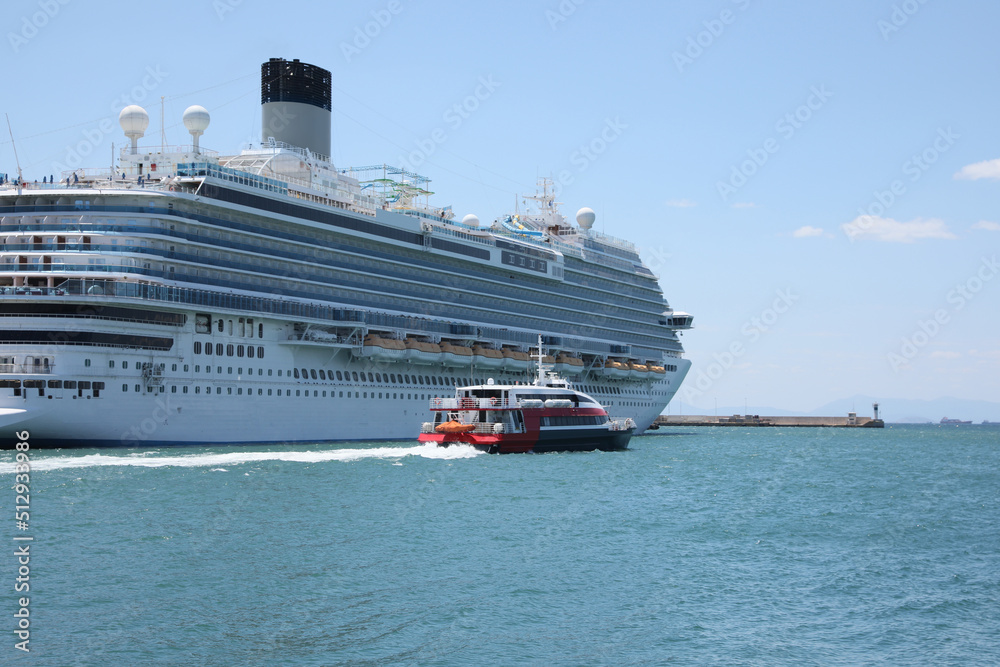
455, 355
383, 349
484, 357
637, 371
454, 427
514, 360
421, 352
657, 370
567, 364
616, 369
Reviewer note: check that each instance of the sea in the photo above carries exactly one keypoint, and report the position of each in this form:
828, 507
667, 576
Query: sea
696, 546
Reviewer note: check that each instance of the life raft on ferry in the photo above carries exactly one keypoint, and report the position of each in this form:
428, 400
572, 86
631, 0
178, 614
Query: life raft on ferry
454, 427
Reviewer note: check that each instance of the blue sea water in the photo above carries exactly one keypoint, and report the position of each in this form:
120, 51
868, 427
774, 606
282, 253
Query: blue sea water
699, 546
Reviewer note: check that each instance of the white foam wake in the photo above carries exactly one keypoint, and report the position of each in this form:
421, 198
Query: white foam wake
40, 461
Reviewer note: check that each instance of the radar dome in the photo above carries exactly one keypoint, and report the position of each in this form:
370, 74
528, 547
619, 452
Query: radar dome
585, 217
134, 120
196, 118
472, 220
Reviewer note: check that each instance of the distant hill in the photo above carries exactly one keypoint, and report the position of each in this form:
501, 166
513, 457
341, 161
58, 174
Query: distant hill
896, 410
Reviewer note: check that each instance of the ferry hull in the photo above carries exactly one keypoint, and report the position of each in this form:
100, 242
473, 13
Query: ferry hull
578, 441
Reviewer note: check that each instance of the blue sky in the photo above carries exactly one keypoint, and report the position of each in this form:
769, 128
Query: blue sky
816, 182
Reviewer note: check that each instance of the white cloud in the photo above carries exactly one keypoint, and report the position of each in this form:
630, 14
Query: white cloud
986, 224
984, 169
875, 228
681, 203
807, 231
744, 204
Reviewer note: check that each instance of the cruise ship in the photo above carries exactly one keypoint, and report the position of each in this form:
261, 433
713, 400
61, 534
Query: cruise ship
184, 296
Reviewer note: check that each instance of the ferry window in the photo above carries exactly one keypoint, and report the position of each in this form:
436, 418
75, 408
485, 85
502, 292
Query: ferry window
378, 377
70, 384
173, 367
250, 351
312, 373
420, 379
137, 388
243, 327
340, 376
218, 390
239, 350
406, 378
184, 390
125, 365
173, 389
296, 373
260, 330
111, 363
260, 351
229, 350
298, 392
392, 378
197, 347
220, 325
230, 327
268, 392
279, 372
370, 378
366, 394
279, 392
322, 375
324, 394
315, 393
434, 380
86, 362
341, 394
197, 390
218, 369
208, 348
250, 327
239, 392
125, 387
269, 371
379, 394
355, 375
305, 374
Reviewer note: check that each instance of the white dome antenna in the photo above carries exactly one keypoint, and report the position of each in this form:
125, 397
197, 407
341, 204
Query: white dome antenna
471, 220
196, 120
134, 121
585, 217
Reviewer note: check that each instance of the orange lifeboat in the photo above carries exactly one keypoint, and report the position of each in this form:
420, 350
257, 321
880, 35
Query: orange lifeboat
454, 427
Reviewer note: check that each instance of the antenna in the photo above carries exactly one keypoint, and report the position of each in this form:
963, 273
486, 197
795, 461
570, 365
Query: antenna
163, 133
541, 355
20, 176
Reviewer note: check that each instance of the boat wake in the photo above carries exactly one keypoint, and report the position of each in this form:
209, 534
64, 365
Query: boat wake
220, 461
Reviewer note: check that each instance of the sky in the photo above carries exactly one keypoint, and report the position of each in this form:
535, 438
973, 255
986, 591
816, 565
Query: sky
816, 182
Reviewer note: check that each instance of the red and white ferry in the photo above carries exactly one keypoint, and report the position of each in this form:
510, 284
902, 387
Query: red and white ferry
546, 416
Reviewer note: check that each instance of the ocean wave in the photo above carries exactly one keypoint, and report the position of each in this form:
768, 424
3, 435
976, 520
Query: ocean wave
41, 462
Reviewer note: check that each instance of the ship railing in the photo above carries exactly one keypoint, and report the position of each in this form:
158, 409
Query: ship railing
466, 403
27, 369
163, 150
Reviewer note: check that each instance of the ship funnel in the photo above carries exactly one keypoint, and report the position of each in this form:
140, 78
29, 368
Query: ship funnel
295, 104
